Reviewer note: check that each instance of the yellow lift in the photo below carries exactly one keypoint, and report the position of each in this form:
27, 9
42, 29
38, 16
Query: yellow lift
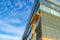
33, 23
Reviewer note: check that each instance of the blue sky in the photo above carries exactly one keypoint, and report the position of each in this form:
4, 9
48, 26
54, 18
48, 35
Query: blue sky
14, 15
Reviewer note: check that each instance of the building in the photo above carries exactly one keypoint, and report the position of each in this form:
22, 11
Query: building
45, 22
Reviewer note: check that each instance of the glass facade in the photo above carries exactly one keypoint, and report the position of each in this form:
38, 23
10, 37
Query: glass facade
30, 35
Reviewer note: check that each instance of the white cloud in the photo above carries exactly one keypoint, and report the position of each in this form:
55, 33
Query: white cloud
7, 37
14, 20
20, 4
32, 1
11, 29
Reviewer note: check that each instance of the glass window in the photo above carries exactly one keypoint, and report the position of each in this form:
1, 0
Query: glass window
29, 30
29, 37
37, 22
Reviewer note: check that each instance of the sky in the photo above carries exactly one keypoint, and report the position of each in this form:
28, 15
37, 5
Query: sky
14, 15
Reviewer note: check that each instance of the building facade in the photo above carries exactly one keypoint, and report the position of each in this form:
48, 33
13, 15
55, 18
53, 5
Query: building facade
45, 22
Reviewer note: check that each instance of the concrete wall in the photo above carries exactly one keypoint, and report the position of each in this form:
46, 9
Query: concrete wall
50, 26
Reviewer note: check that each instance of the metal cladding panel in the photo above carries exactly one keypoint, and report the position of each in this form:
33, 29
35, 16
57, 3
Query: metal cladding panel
55, 2
50, 25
